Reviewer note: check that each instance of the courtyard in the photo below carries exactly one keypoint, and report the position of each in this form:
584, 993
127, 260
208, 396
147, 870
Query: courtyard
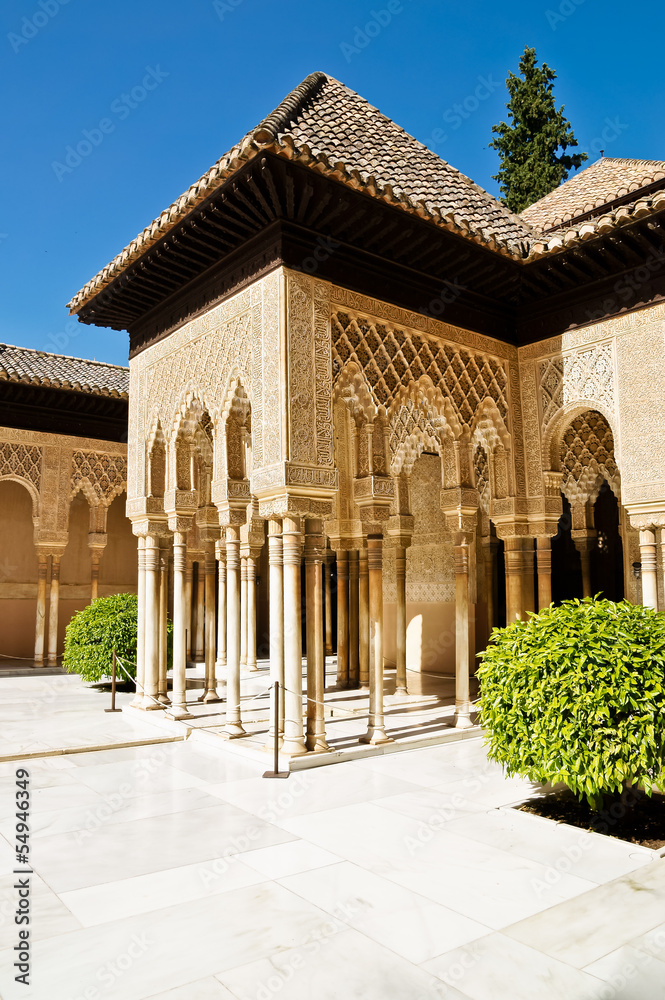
172, 870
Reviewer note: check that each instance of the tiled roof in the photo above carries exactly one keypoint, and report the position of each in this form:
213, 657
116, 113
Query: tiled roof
327, 127
589, 191
21, 364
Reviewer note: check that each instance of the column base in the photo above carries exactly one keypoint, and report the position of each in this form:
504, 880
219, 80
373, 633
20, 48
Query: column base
233, 730
317, 744
179, 712
252, 667
220, 663
293, 748
164, 699
329, 651
463, 718
210, 696
401, 690
148, 705
376, 735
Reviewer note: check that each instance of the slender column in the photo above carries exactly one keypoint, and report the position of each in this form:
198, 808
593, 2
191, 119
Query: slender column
488, 558
220, 553
251, 613
400, 628
354, 625
528, 577
243, 611
661, 537
363, 617
276, 609
163, 696
328, 602
94, 575
462, 696
316, 727
342, 619
189, 580
233, 726
54, 601
140, 630
585, 540
179, 693
376, 732
40, 618
544, 564
649, 578
199, 653
151, 622
513, 557
294, 742
210, 692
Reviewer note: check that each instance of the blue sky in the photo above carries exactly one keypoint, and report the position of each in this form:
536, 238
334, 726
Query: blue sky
207, 71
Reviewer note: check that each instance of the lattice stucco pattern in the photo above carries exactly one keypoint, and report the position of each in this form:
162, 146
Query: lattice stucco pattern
587, 457
587, 374
482, 476
391, 358
24, 461
101, 477
430, 569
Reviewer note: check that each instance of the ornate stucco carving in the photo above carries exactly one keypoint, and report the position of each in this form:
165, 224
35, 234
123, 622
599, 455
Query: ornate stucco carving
587, 458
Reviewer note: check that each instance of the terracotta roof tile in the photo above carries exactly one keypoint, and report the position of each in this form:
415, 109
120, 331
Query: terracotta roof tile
22, 364
588, 192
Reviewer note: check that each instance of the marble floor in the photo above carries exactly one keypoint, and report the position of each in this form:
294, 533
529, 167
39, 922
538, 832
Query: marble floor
174, 871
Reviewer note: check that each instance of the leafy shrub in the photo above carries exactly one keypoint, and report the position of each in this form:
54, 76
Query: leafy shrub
108, 623
576, 694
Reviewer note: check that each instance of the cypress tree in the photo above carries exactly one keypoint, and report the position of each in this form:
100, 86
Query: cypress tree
531, 165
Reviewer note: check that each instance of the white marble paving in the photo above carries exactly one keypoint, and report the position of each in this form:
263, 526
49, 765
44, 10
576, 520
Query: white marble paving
50, 913
289, 859
202, 989
633, 974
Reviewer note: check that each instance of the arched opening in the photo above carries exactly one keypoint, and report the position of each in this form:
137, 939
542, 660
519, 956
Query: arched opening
18, 571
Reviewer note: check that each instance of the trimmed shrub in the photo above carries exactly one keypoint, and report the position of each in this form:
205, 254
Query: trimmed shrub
576, 694
108, 623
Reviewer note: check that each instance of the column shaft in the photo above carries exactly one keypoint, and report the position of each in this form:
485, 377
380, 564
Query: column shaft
649, 576
251, 613
40, 617
342, 619
294, 742
462, 695
243, 611
276, 611
179, 693
528, 577
53, 612
210, 692
199, 652
376, 732
354, 625
544, 564
220, 551
140, 630
328, 602
94, 576
151, 622
233, 726
514, 577
363, 617
163, 696
189, 581
316, 727
400, 620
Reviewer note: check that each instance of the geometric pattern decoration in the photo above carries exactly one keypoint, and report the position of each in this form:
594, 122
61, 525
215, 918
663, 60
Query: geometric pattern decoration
586, 374
101, 477
21, 460
482, 476
391, 358
587, 458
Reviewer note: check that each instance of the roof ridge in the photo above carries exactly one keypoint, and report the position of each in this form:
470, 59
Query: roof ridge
272, 124
66, 357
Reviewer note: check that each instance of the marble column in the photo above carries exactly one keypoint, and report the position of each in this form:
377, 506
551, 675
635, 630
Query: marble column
199, 651
95, 559
585, 540
140, 630
376, 732
179, 693
233, 725
276, 611
316, 726
328, 602
210, 691
40, 618
342, 619
400, 620
489, 545
162, 687
189, 582
251, 613
363, 618
354, 625
544, 565
220, 555
150, 700
528, 577
53, 612
649, 575
294, 741
243, 611
514, 577
462, 693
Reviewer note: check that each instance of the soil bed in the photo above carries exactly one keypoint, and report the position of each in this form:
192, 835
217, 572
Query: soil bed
633, 817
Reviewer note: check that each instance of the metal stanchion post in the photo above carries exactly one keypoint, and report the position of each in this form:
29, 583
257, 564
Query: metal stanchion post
113, 678
276, 773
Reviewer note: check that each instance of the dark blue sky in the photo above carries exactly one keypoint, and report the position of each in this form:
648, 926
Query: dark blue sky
217, 68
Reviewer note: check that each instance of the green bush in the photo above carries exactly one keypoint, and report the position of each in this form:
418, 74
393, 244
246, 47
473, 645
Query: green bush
108, 623
576, 694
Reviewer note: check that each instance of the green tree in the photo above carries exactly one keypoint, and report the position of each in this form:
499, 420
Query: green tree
531, 165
